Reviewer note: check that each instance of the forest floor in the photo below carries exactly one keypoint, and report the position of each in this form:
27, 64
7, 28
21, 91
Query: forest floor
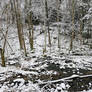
59, 70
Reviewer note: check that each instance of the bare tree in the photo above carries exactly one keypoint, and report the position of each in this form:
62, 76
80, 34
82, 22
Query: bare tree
19, 26
58, 25
30, 26
72, 35
47, 21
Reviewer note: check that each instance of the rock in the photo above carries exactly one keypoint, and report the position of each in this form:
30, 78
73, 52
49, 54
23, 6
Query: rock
13, 53
48, 58
33, 56
78, 54
14, 63
43, 70
68, 61
61, 53
53, 66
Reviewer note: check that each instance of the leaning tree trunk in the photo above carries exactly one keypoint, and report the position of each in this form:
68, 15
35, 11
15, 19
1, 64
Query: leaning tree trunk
2, 50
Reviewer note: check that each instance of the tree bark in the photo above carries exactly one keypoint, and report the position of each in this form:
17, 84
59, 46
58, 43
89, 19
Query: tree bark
47, 21
31, 30
18, 24
72, 35
2, 57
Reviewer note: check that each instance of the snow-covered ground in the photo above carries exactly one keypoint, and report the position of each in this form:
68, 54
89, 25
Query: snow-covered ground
59, 70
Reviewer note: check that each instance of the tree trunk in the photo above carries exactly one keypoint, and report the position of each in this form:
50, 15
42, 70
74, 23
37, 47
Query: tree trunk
12, 11
58, 26
72, 35
31, 30
20, 27
18, 24
47, 21
80, 32
2, 57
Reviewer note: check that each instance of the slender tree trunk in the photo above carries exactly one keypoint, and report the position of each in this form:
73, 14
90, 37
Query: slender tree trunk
58, 36
7, 41
20, 27
12, 11
25, 51
72, 35
47, 21
58, 25
31, 30
2, 57
18, 24
45, 41
80, 32
31, 38
2, 50
26, 4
